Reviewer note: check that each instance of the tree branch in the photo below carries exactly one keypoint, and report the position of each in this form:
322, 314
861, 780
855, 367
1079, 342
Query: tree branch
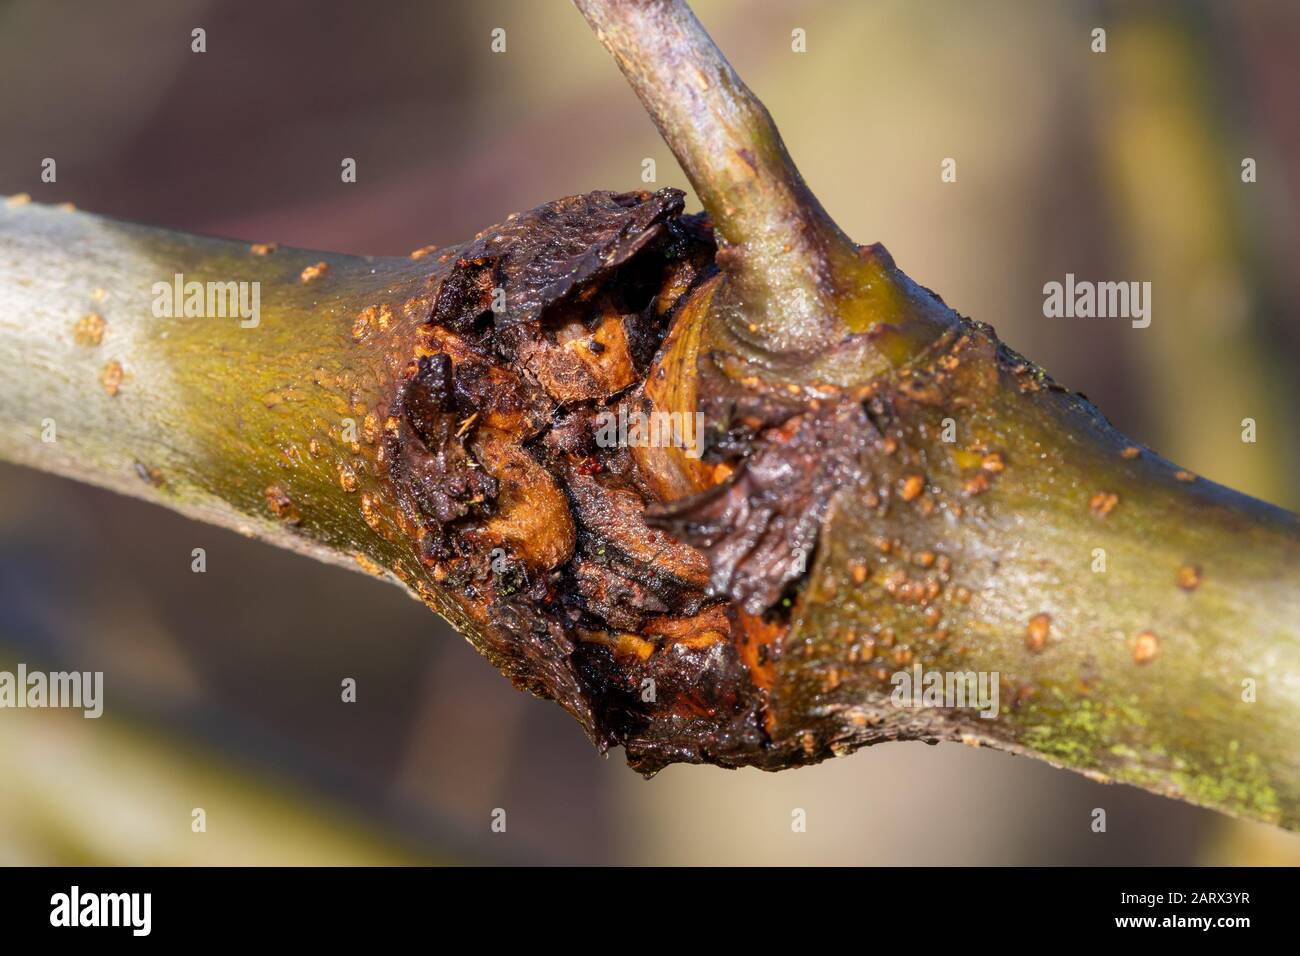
880, 490
254, 428
1157, 644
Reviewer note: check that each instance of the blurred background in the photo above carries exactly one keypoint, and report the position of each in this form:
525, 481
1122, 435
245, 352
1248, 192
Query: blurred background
223, 688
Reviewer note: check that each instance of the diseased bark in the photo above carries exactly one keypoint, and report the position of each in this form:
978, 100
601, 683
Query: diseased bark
883, 485
475, 475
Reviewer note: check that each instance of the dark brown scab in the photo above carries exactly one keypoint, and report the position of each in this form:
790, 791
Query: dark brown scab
626, 608
428, 397
585, 284
540, 258
760, 526
466, 295
437, 470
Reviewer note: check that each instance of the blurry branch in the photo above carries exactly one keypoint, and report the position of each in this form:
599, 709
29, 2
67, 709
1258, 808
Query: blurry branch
963, 514
1218, 363
119, 794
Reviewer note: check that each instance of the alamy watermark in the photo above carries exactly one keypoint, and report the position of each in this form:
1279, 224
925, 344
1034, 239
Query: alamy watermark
1081, 299
78, 690
133, 911
636, 429
947, 689
208, 300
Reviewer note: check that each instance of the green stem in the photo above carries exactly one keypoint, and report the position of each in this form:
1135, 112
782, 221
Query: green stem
799, 290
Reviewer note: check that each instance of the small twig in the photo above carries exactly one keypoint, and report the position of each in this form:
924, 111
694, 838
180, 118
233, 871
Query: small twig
781, 248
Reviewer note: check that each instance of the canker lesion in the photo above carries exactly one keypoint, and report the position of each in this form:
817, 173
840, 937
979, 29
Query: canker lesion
536, 527
647, 588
